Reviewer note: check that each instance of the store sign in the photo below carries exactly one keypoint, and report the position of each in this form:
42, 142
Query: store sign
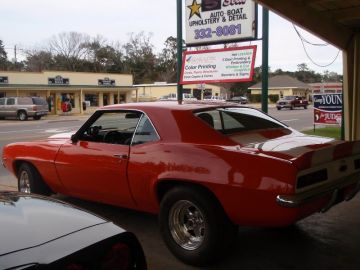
58, 80
220, 21
106, 82
327, 109
4, 79
220, 65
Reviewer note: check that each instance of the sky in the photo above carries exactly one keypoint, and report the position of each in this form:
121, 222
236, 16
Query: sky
29, 24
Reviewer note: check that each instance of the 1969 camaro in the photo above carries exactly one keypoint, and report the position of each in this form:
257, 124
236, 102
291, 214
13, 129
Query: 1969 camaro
204, 168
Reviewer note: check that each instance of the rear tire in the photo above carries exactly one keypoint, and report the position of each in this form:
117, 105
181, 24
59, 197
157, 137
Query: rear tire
30, 181
22, 115
305, 107
194, 226
37, 117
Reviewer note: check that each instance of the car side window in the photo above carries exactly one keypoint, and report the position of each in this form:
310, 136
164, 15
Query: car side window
145, 132
10, 101
2, 101
112, 127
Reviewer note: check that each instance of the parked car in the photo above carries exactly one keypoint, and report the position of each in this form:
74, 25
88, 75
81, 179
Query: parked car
204, 168
238, 99
43, 233
214, 99
292, 102
173, 97
23, 107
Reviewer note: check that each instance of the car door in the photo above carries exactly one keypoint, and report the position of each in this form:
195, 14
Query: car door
94, 166
10, 107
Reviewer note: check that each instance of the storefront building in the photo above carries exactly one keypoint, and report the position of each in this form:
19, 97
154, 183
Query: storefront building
282, 86
152, 92
69, 91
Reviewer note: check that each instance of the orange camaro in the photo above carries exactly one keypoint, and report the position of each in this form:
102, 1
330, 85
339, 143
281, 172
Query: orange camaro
203, 168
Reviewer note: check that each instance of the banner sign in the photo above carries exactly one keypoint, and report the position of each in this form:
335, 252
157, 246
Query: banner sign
106, 82
4, 79
219, 65
58, 80
327, 109
220, 21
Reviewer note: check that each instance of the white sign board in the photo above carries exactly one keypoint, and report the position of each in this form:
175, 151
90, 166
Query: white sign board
219, 65
219, 21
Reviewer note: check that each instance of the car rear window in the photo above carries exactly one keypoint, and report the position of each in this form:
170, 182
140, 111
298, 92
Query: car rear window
39, 101
234, 120
25, 101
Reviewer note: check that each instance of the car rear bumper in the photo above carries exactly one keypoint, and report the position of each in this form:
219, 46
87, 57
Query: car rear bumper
342, 189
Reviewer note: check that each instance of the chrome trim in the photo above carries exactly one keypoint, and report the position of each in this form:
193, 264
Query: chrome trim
297, 200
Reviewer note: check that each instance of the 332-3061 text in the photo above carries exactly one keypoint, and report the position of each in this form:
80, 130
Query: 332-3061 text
227, 30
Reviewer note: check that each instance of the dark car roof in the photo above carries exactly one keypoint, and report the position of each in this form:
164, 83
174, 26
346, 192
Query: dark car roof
30, 220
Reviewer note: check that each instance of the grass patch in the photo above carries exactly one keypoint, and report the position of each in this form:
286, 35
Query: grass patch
332, 132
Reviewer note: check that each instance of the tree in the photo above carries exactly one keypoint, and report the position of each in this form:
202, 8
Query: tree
140, 59
167, 60
102, 57
38, 61
3, 57
70, 49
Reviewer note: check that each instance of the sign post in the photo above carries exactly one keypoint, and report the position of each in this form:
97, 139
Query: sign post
179, 50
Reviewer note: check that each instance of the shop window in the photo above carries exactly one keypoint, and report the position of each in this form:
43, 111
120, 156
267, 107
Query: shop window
93, 99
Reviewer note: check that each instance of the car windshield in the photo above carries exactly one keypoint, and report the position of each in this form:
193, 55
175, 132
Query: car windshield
234, 120
289, 97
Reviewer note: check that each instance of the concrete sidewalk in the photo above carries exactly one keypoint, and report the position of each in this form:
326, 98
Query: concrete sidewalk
8, 183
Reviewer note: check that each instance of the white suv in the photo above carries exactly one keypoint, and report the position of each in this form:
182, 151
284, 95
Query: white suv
23, 107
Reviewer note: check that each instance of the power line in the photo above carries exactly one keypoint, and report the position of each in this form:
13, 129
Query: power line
303, 41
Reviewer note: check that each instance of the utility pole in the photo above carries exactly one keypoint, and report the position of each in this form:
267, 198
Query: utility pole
179, 50
15, 55
265, 61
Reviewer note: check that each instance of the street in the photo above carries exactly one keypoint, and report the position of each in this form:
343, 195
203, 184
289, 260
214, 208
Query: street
322, 241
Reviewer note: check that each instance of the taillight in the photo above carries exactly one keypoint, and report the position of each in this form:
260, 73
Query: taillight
118, 257
34, 108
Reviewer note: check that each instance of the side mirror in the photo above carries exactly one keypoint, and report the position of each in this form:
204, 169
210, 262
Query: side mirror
74, 138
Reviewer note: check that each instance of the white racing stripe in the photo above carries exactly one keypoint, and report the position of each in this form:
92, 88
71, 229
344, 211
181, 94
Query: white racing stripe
289, 120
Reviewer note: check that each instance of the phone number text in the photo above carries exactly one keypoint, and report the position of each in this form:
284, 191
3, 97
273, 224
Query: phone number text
220, 31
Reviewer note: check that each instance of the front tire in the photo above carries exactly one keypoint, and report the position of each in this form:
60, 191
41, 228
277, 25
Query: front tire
30, 181
194, 226
37, 117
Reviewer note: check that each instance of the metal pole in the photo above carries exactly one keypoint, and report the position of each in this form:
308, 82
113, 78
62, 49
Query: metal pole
265, 60
179, 50
342, 133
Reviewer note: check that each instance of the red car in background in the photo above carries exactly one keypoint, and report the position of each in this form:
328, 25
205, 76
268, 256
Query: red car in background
204, 168
292, 102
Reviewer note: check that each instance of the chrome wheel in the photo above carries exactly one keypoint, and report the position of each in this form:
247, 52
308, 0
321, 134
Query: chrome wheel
187, 226
24, 182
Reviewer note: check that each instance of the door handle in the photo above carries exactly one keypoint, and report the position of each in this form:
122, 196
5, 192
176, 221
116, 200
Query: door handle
121, 156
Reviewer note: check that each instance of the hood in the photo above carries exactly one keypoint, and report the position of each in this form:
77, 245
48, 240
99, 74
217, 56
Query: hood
29, 220
302, 150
